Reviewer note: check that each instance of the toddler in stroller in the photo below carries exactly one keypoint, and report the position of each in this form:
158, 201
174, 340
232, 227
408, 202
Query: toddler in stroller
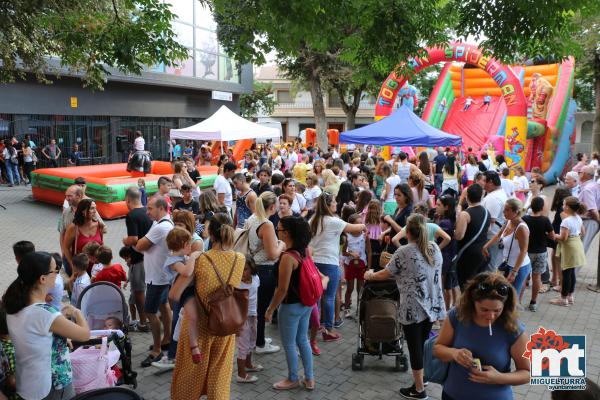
104, 307
379, 329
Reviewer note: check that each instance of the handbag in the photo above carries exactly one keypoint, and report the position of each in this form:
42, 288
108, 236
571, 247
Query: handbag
462, 250
435, 370
505, 267
92, 367
227, 308
385, 256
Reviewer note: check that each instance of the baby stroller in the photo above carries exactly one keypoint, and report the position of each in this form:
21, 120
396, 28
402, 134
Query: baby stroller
379, 329
98, 302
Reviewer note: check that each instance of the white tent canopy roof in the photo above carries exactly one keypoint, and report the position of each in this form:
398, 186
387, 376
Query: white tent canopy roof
225, 125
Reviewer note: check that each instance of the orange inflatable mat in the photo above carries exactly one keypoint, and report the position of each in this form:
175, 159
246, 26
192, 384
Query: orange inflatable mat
106, 184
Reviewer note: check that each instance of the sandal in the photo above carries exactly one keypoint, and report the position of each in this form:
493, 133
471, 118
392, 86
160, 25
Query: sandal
556, 288
255, 368
196, 357
544, 289
246, 379
559, 301
281, 385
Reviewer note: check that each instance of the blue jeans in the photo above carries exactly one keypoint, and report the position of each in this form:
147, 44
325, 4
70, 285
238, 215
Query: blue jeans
523, 273
332, 271
12, 172
293, 328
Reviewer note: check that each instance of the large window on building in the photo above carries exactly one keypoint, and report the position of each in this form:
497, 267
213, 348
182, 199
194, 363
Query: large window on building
196, 29
284, 96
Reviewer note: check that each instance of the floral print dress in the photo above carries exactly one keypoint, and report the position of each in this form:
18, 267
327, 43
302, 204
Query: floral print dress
62, 372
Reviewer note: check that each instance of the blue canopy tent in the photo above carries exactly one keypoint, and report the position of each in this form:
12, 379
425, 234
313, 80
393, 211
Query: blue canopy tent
402, 128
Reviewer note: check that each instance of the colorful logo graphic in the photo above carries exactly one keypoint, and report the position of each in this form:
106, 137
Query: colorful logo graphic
557, 361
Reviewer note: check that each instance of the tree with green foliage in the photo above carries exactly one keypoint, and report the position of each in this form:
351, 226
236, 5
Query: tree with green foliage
310, 35
587, 79
87, 37
259, 102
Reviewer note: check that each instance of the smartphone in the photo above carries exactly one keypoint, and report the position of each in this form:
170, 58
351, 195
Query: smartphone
476, 364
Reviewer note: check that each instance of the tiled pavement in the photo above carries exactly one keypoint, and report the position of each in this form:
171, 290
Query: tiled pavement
26, 219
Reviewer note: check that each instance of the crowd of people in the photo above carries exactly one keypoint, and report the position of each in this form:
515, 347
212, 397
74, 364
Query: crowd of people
462, 240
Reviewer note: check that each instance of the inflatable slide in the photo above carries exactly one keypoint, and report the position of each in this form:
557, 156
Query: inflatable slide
106, 184
467, 101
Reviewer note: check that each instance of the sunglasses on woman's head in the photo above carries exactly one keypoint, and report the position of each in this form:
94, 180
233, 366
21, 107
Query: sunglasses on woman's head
499, 288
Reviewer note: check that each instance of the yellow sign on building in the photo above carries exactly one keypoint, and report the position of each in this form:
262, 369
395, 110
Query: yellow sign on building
73, 102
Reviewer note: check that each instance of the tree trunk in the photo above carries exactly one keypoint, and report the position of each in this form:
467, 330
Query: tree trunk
596, 128
316, 94
350, 109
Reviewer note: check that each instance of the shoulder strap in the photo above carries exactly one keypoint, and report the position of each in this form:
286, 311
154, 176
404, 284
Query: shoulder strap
76, 239
474, 238
223, 283
513, 239
215, 269
294, 253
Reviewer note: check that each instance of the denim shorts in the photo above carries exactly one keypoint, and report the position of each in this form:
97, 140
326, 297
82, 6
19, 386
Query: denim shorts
156, 295
539, 262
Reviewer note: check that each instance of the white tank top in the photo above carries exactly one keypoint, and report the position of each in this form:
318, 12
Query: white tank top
404, 172
255, 243
515, 249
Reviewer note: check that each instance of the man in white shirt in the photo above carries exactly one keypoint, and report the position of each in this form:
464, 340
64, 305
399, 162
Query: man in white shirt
494, 203
572, 182
292, 159
139, 143
154, 248
589, 195
507, 183
223, 187
485, 160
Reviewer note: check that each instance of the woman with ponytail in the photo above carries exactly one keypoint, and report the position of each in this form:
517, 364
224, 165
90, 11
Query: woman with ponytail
417, 268
326, 229
265, 250
213, 375
43, 367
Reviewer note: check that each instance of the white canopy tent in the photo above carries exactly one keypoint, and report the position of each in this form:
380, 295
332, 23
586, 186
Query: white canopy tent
225, 125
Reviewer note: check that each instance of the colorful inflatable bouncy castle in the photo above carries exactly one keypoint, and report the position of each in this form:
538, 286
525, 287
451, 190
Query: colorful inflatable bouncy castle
523, 112
106, 184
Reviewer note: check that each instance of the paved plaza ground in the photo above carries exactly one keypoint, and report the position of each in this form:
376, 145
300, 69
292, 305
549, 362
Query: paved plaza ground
25, 219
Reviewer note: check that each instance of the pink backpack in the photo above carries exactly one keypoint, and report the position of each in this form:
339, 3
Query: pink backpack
310, 287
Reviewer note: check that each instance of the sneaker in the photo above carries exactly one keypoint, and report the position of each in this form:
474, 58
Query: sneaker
570, 299
268, 340
164, 363
331, 337
142, 328
267, 348
315, 349
533, 307
411, 393
347, 313
133, 324
338, 324
150, 359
